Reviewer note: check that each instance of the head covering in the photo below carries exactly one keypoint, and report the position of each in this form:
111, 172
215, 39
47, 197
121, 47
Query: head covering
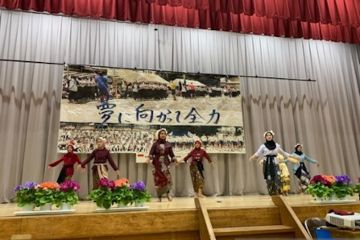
158, 134
271, 145
70, 145
198, 141
161, 130
101, 139
296, 147
269, 131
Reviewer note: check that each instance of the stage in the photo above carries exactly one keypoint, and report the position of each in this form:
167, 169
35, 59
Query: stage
179, 219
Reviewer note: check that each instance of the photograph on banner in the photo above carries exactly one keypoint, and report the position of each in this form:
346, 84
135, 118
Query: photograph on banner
127, 106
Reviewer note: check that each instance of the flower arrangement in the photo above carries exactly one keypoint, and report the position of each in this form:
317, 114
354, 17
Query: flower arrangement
140, 195
67, 193
45, 193
327, 187
122, 195
102, 196
357, 188
119, 192
25, 194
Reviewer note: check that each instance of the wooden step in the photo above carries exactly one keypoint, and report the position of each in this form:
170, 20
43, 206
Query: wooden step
254, 230
244, 217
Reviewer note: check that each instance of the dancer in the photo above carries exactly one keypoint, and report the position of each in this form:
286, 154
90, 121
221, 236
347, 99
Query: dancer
69, 159
268, 152
161, 156
300, 169
101, 156
197, 167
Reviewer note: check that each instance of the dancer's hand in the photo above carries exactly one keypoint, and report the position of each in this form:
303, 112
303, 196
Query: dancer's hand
260, 162
80, 168
49, 167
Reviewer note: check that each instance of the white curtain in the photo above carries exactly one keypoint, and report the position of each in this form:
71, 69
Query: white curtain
323, 115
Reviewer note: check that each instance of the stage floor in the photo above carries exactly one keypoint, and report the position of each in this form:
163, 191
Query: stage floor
248, 201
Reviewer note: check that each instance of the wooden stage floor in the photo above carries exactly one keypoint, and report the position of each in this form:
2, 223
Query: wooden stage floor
248, 201
87, 207
163, 220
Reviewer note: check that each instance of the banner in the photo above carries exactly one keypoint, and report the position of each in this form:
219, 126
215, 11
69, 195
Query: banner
126, 107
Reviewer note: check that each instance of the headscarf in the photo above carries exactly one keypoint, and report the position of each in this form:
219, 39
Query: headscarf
296, 147
271, 145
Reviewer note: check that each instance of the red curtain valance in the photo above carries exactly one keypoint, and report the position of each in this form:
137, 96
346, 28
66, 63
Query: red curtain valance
335, 20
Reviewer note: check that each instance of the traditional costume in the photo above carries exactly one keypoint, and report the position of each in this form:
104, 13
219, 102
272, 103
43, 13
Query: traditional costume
197, 167
100, 168
269, 151
300, 170
69, 160
161, 155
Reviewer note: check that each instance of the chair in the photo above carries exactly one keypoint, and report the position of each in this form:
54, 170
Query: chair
311, 224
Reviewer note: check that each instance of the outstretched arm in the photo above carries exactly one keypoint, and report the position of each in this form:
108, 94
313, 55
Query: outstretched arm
187, 156
88, 159
56, 162
310, 160
293, 159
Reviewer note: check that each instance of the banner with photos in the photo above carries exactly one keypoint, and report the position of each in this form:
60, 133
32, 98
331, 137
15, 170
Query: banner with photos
127, 107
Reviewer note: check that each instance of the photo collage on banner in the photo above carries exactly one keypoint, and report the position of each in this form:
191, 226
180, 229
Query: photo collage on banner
127, 107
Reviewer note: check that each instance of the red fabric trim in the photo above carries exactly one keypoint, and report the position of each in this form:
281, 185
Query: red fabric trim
335, 20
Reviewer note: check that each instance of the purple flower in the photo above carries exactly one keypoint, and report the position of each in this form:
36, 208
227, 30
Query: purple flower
343, 179
69, 185
140, 186
30, 185
18, 188
27, 186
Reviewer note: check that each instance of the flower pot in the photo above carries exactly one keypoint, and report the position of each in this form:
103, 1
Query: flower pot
28, 207
121, 205
139, 204
65, 206
46, 207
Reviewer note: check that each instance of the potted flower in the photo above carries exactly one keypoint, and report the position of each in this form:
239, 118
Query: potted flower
25, 195
356, 188
325, 187
122, 194
102, 196
140, 195
45, 195
342, 187
67, 197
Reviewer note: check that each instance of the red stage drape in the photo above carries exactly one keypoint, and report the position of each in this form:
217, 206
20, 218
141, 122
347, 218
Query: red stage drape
335, 20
